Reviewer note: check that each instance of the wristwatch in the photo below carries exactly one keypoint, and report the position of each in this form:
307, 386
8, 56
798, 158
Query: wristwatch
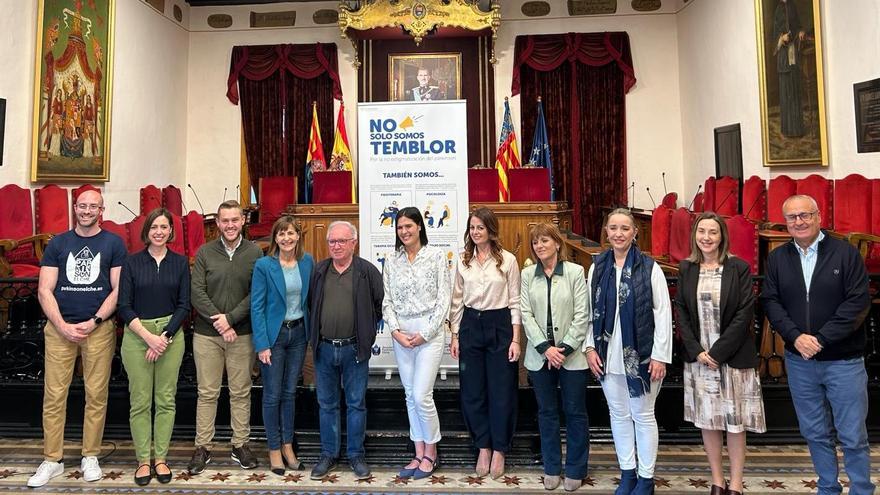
167, 336
98, 320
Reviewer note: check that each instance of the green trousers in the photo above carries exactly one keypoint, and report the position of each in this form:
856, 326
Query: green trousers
150, 383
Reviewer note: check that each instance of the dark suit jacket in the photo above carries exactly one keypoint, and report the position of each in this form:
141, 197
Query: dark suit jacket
736, 346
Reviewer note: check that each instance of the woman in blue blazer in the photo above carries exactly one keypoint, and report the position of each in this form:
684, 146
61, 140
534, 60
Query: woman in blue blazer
279, 317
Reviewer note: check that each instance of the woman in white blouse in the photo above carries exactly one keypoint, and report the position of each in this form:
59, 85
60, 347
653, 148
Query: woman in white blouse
415, 307
629, 343
486, 324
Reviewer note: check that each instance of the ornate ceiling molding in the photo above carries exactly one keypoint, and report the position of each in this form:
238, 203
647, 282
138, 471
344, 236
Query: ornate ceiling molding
420, 17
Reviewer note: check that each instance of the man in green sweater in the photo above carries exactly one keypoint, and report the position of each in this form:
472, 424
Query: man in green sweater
221, 286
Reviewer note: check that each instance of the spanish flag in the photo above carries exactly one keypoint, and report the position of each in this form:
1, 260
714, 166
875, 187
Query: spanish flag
508, 154
315, 156
340, 157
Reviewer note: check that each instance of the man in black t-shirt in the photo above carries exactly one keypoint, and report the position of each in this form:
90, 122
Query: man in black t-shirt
79, 276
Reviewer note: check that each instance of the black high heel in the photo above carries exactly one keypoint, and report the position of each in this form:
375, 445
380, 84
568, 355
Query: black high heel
297, 466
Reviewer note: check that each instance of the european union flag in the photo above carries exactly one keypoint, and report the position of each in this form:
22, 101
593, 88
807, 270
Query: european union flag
540, 156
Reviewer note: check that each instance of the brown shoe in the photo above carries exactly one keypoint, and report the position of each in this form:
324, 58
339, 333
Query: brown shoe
718, 490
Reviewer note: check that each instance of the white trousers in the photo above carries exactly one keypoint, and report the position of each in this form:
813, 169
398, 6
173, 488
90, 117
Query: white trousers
418, 369
633, 424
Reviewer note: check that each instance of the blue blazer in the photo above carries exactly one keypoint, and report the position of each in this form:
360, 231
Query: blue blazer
269, 298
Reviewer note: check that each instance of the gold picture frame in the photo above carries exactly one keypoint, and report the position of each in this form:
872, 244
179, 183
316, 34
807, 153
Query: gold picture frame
73, 90
791, 79
424, 76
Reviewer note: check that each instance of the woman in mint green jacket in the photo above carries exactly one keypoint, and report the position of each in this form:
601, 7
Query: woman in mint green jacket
554, 313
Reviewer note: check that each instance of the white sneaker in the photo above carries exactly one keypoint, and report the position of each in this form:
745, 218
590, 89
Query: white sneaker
45, 472
91, 471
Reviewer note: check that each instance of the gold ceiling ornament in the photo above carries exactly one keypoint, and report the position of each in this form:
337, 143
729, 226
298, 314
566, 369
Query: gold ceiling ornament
420, 17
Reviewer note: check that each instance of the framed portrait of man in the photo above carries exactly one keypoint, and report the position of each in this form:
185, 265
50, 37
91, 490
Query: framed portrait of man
424, 76
72, 90
790, 74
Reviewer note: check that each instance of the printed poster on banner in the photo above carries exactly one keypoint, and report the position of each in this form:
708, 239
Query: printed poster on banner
411, 154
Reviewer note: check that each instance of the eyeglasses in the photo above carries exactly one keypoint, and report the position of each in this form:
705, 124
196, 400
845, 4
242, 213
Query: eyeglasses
85, 207
804, 217
337, 242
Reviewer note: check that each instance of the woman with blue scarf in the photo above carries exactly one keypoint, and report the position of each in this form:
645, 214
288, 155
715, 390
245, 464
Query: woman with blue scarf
628, 344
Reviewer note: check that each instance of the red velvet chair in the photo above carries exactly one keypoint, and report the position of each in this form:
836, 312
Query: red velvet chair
134, 242
331, 187
172, 199
744, 240
670, 201
680, 235
151, 198
709, 194
529, 184
661, 219
483, 185
74, 193
275, 193
697, 204
17, 228
853, 203
822, 190
121, 230
726, 196
194, 233
778, 190
51, 210
178, 245
754, 204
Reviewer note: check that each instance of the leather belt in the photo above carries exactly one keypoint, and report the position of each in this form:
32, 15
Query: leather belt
339, 342
291, 323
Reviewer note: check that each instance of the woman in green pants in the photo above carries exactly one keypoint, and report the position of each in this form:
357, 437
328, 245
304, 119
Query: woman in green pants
153, 302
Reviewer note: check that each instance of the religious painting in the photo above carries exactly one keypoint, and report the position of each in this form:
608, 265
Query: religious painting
72, 90
424, 76
791, 82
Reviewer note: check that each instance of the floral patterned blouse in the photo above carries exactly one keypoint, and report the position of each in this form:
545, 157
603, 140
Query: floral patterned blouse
417, 289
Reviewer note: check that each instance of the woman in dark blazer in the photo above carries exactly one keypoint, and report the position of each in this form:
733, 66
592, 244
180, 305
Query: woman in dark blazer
279, 317
722, 391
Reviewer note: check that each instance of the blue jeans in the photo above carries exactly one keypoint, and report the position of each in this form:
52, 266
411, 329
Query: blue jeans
833, 394
279, 384
335, 366
573, 383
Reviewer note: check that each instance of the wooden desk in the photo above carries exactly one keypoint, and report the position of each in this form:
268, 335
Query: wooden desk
515, 220
768, 240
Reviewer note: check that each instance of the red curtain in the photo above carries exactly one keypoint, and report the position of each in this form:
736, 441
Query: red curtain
584, 102
275, 86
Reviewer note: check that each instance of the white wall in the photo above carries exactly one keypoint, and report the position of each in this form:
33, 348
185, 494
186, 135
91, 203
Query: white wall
148, 131
719, 84
653, 119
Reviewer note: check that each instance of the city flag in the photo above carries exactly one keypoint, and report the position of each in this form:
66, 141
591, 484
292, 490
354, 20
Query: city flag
340, 157
508, 155
540, 156
315, 156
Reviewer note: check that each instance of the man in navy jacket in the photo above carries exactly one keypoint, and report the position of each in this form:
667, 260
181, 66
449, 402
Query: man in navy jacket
816, 296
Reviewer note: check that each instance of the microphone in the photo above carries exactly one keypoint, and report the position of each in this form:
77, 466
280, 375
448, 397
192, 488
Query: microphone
224, 194
238, 192
723, 201
652, 197
763, 193
127, 208
663, 176
628, 189
197, 198
695, 196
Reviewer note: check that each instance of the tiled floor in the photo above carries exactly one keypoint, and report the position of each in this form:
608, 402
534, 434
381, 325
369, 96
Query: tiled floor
680, 469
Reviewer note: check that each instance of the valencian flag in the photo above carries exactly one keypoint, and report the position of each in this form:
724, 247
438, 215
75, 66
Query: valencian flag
508, 155
340, 157
315, 157
540, 156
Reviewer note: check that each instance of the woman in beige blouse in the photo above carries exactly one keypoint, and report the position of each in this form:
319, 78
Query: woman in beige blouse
486, 324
